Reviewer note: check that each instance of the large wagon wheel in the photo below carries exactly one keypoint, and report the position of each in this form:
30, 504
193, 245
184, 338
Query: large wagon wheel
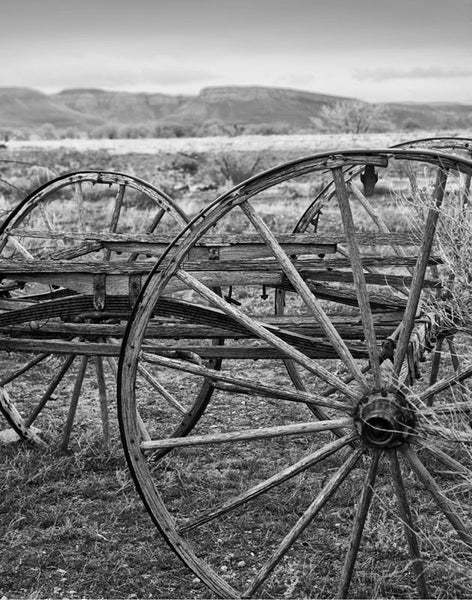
235, 498
69, 219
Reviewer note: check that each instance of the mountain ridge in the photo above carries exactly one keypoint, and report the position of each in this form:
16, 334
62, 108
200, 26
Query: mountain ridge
291, 110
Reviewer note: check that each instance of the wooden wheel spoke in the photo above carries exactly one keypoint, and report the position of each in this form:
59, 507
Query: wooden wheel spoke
315, 507
443, 503
32, 363
451, 435
16, 421
20, 248
247, 434
156, 220
161, 389
456, 362
222, 377
411, 173
102, 394
456, 408
447, 460
381, 225
420, 271
150, 229
79, 198
45, 217
269, 483
465, 190
117, 208
409, 525
444, 384
435, 362
263, 333
305, 293
359, 277
118, 203
358, 527
56, 380
74, 402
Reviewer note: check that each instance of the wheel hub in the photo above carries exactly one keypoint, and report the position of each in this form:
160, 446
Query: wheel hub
384, 421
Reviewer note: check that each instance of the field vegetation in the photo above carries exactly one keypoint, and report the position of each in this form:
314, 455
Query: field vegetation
72, 524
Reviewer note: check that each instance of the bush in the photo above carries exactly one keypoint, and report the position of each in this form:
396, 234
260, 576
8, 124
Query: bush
411, 125
236, 168
47, 132
355, 117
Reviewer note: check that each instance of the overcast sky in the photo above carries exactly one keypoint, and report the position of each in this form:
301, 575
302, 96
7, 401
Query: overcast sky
376, 50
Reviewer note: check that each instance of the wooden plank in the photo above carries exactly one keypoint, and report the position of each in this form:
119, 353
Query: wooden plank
59, 347
144, 242
306, 264
85, 281
119, 285
321, 350
349, 328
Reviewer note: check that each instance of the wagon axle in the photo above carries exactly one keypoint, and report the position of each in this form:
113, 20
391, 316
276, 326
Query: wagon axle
384, 421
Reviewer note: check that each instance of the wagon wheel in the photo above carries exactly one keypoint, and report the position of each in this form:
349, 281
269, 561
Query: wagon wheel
68, 219
235, 499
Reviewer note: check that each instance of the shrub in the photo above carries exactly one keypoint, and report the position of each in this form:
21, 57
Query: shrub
355, 117
47, 132
411, 125
236, 168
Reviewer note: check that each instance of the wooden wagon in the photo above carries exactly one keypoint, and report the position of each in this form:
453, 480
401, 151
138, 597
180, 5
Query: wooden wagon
279, 361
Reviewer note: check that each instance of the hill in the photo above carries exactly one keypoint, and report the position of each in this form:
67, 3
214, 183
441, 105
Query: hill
253, 105
240, 107
121, 107
24, 107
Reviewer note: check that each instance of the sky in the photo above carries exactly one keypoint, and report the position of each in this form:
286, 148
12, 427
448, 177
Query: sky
374, 50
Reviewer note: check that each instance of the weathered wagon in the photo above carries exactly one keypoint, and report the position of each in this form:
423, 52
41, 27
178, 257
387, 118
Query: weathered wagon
284, 384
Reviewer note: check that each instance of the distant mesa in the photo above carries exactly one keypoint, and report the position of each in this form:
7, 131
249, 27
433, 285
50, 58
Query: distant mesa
279, 109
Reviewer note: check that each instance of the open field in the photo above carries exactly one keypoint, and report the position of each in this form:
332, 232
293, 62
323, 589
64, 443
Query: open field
301, 144
72, 524
298, 143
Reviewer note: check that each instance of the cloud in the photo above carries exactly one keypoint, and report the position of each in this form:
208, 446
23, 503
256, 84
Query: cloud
384, 74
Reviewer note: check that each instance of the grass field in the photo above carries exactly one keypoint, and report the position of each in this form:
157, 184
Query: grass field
243, 143
72, 524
